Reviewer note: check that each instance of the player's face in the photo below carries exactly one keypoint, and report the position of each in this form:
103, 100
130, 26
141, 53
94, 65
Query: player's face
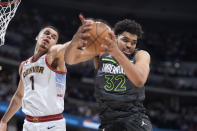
47, 38
127, 42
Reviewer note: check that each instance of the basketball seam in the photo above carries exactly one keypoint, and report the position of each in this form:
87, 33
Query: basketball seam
91, 41
96, 38
99, 36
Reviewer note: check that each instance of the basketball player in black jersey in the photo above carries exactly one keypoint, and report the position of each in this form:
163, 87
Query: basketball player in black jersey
121, 73
120, 78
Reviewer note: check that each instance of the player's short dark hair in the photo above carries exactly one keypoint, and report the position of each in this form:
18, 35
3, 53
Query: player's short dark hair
129, 26
99, 20
50, 26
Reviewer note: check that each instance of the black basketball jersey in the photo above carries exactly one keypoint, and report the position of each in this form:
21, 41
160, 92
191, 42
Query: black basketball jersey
117, 96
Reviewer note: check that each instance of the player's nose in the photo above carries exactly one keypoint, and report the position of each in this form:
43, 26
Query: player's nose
128, 45
48, 36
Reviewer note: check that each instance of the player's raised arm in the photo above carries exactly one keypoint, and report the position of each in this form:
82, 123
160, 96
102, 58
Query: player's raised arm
74, 52
15, 104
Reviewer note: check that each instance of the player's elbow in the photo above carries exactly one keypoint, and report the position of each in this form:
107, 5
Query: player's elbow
139, 83
19, 95
71, 62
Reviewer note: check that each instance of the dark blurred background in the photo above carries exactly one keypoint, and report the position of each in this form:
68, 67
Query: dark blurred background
170, 37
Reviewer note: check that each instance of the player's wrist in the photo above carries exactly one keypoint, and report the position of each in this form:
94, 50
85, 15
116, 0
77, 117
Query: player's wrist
115, 52
4, 121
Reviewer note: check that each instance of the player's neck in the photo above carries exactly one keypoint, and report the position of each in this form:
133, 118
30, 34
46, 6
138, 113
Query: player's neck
38, 53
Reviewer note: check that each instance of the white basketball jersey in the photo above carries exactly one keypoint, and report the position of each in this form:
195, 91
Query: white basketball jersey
44, 88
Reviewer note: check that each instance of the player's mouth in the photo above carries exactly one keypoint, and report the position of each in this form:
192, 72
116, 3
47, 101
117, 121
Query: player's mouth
127, 51
46, 41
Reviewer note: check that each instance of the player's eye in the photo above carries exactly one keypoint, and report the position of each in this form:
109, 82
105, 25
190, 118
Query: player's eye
54, 37
134, 42
47, 32
125, 40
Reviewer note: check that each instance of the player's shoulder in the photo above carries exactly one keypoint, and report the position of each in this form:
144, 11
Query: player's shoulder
142, 53
22, 64
56, 48
21, 67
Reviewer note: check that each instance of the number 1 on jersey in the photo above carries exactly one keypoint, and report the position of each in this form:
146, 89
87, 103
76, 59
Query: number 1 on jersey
32, 82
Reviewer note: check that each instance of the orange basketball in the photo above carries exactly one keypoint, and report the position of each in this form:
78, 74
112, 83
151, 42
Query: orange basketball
97, 37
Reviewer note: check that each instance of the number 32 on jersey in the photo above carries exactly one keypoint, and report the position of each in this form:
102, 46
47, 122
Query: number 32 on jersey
119, 81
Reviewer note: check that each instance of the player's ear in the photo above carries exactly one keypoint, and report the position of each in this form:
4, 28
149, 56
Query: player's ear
37, 37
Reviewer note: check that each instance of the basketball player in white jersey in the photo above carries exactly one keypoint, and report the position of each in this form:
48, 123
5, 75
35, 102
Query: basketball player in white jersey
42, 82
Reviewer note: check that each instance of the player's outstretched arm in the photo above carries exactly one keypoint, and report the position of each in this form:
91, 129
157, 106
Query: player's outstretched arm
15, 104
74, 51
71, 52
138, 72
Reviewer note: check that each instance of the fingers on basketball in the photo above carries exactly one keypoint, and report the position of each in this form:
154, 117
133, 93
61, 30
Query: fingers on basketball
81, 17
